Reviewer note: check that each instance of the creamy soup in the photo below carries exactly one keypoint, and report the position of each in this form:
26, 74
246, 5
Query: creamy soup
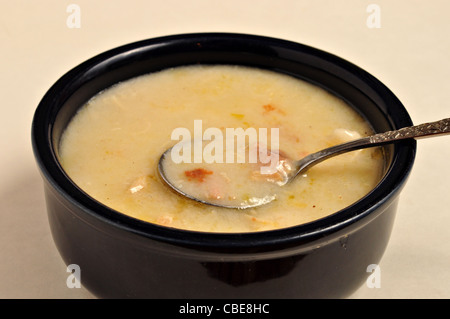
112, 146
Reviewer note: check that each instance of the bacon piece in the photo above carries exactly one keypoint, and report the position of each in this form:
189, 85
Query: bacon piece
284, 165
198, 174
165, 220
268, 107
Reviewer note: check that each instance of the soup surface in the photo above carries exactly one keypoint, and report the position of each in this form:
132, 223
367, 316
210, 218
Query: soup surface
112, 146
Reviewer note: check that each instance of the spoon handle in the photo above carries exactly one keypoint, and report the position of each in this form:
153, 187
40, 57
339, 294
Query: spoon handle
417, 131
440, 127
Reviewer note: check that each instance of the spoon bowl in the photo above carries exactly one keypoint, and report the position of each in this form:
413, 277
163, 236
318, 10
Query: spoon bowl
233, 203
291, 169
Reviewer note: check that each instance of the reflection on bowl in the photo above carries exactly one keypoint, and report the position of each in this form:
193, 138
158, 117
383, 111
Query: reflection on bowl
123, 257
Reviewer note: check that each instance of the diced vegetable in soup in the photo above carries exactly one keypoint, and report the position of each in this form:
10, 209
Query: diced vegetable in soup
111, 148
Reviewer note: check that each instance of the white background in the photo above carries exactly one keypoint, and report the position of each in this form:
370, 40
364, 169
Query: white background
408, 53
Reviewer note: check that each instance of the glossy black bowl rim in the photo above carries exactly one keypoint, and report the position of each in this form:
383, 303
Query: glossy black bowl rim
366, 208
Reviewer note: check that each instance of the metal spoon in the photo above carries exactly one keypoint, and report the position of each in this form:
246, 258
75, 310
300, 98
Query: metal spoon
418, 131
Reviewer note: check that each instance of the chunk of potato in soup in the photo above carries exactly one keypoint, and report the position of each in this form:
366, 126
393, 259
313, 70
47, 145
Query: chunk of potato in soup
111, 147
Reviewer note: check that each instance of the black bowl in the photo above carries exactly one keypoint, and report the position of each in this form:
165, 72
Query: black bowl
121, 257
